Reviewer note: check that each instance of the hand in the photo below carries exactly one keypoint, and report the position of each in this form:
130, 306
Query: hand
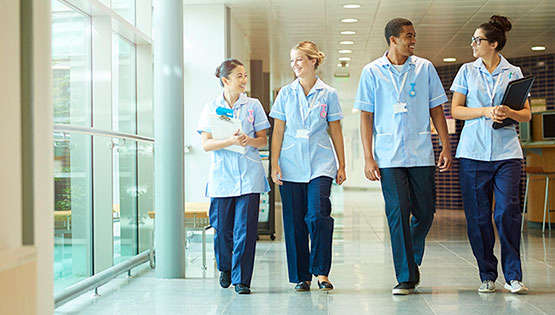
238, 138
276, 174
489, 112
445, 160
501, 112
371, 170
341, 177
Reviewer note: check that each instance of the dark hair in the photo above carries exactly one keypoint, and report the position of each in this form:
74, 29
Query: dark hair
225, 69
495, 30
395, 27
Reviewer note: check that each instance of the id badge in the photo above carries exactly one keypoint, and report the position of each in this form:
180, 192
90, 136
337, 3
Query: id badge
302, 133
400, 108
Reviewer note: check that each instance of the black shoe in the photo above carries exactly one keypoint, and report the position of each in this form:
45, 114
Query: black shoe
225, 279
303, 286
325, 286
403, 288
417, 277
242, 289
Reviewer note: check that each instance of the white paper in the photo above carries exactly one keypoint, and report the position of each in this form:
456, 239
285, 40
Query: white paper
225, 128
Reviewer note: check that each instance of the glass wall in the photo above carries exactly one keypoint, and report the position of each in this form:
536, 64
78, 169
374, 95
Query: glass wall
102, 200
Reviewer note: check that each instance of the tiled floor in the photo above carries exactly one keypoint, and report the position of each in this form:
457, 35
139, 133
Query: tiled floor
362, 273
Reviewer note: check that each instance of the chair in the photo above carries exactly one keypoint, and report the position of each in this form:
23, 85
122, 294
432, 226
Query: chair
537, 171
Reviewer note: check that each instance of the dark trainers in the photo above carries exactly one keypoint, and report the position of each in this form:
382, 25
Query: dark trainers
225, 279
242, 288
403, 288
303, 286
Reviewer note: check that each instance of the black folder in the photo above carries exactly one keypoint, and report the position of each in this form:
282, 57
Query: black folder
515, 96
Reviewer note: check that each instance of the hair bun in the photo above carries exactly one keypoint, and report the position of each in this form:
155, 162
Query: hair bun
321, 57
217, 72
502, 22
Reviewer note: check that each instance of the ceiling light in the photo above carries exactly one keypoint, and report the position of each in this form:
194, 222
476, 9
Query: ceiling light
347, 32
351, 6
449, 59
538, 48
346, 42
349, 20
343, 64
344, 51
344, 58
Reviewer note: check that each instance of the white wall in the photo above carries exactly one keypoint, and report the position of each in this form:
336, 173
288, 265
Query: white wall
205, 48
43, 160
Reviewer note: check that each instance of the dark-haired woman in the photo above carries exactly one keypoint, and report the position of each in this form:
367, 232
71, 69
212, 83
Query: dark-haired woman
236, 179
304, 165
490, 159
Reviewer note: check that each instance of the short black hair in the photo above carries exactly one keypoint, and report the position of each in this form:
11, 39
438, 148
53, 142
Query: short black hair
395, 27
225, 69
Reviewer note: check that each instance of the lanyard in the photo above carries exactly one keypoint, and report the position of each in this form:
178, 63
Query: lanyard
314, 98
399, 90
491, 93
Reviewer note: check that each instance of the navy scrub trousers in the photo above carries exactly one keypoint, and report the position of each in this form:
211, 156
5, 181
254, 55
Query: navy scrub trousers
235, 220
480, 180
306, 211
408, 191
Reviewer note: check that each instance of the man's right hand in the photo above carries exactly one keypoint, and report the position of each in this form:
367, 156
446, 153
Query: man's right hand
371, 170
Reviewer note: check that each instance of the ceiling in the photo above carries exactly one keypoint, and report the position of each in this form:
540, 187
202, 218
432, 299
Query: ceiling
443, 28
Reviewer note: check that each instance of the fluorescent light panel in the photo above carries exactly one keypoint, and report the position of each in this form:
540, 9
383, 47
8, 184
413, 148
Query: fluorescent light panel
351, 6
347, 32
349, 20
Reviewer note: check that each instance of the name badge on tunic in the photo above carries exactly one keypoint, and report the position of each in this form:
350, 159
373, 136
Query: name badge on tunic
302, 133
400, 108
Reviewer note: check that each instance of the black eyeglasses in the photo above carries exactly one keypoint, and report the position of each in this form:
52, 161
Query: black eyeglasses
477, 40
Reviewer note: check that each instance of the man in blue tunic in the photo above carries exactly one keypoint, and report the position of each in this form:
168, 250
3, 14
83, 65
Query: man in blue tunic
397, 95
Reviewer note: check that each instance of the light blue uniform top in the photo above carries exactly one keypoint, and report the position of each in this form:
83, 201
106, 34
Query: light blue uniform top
233, 174
479, 141
306, 151
401, 139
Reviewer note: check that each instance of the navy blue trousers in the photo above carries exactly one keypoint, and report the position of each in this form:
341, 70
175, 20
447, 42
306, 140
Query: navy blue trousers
408, 191
235, 220
480, 181
306, 211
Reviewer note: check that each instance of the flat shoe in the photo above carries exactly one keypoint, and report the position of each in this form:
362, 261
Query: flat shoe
325, 286
303, 286
225, 279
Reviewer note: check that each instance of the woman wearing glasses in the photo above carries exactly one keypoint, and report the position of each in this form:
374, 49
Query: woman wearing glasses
490, 159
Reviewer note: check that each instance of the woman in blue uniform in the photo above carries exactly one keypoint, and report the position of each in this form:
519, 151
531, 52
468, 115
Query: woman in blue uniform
235, 180
304, 165
490, 159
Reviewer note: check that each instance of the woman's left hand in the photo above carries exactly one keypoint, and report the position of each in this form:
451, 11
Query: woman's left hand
501, 112
341, 176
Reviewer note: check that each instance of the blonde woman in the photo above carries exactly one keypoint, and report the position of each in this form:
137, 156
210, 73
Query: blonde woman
304, 165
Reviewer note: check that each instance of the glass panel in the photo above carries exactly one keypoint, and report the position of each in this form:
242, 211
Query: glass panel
124, 161
125, 8
72, 209
124, 98
71, 66
145, 193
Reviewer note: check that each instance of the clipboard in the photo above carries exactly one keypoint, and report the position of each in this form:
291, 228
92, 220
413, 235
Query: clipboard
224, 127
515, 96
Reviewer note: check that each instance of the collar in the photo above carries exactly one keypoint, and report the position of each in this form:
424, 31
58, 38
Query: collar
318, 85
221, 102
384, 62
502, 66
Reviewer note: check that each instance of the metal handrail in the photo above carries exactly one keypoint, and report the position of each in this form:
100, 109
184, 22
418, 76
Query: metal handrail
100, 132
99, 279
